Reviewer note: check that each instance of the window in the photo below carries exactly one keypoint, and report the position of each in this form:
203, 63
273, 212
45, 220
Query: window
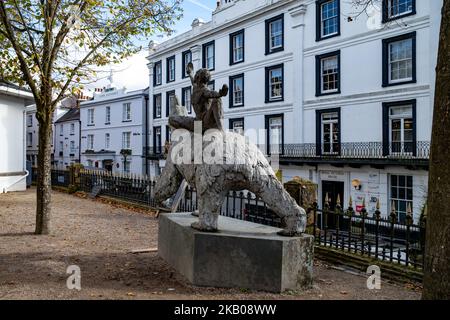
126, 166
186, 57
61, 148
170, 69
108, 115
208, 55
157, 106
395, 9
29, 139
72, 147
328, 75
275, 133
168, 133
399, 60
61, 130
30, 120
90, 163
90, 142
237, 125
157, 139
401, 195
107, 141
126, 114
90, 117
186, 99
237, 91
170, 96
275, 34
157, 74
328, 132
126, 140
399, 128
327, 19
212, 85
237, 47
274, 83
72, 128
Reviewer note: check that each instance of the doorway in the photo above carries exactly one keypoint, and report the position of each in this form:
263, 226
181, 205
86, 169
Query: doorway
333, 189
108, 165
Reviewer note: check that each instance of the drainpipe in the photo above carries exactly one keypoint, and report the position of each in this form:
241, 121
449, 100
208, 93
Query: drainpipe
146, 135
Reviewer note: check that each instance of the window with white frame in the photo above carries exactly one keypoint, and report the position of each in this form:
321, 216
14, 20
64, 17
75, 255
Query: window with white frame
329, 18
126, 115
237, 47
61, 129
186, 99
90, 119
72, 147
274, 34
126, 140
61, 148
72, 128
107, 141
237, 91
237, 125
330, 133
29, 139
329, 73
208, 55
393, 9
30, 120
275, 132
157, 74
401, 129
170, 100
90, 142
157, 139
171, 69
401, 195
157, 106
399, 60
274, 83
186, 57
108, 115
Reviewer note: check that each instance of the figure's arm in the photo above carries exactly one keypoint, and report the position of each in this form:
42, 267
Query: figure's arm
190, 71
213, 94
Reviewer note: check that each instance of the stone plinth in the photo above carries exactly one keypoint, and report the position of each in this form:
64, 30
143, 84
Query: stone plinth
242, 254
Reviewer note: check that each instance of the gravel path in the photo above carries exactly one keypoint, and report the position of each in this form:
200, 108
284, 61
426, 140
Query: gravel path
98, 237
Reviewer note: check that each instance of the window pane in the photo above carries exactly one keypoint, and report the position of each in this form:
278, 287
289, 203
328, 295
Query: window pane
400, 60
329, 74
329, 16
276, 83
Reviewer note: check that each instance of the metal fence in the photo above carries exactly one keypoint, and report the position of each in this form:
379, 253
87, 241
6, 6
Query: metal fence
378, 236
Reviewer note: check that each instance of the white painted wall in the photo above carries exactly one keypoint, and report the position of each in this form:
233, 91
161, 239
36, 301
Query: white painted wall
63, 134
12, 143
116, 127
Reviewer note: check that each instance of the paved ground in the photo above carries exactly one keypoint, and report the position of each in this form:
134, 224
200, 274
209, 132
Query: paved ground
98, 237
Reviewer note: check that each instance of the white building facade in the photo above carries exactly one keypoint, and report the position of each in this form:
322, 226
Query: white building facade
13, 102
347, 101
67, 139
113, 130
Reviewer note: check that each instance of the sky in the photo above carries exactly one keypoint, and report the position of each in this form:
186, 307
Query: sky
133, 73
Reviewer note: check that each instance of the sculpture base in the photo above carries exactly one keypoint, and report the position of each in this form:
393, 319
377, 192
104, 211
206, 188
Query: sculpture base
241, 254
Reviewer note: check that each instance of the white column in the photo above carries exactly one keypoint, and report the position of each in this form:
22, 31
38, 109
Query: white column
196, 57
298, 26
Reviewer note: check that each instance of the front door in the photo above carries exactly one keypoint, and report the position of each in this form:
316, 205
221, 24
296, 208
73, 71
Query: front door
108, 164
333, 189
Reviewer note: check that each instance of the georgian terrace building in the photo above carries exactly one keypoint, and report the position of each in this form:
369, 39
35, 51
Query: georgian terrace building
113, 130
347, 102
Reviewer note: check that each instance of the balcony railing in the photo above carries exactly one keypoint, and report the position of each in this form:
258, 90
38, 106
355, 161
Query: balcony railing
345, 151
359, 150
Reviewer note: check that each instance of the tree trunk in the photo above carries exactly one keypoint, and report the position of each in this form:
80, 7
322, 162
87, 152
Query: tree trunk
44, 181
436, 281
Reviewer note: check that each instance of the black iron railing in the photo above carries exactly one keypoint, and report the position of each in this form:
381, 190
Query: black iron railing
384, 237
359, 150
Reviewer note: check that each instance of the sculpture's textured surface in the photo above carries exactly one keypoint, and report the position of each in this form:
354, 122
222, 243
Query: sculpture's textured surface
249, 170
238, 164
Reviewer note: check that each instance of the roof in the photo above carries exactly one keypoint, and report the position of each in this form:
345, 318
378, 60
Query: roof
71, 115
13, 86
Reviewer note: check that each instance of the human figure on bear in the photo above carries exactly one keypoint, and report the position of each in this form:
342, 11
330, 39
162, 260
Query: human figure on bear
206, 103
